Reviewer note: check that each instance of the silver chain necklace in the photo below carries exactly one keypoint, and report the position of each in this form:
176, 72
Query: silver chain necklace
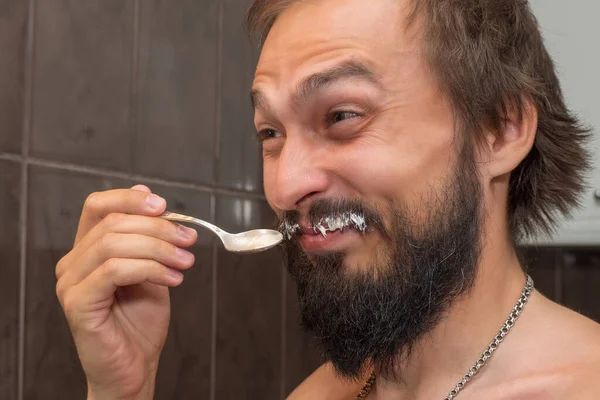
508, 324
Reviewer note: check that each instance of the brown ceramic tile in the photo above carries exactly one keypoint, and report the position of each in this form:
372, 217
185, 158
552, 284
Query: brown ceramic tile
582, 279
10, 182
542, 264
82, 82
302, 356
249, 309
240, 161
13, 22
184, 371
177, 68
52, 370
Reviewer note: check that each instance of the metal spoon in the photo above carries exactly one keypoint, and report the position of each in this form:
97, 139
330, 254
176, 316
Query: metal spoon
252, 241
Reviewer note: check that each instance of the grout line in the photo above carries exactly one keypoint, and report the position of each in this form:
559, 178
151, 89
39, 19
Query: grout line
27, 129
284, 289
134, 106
218, 94
18, 158
213, 198
136, 177
213, 319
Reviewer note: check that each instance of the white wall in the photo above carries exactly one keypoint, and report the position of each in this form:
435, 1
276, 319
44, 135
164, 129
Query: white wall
571, 30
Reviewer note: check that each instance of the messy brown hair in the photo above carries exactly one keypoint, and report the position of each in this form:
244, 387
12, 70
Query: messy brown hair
490, 60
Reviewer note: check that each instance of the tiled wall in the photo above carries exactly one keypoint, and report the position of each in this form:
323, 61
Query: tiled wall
100, 94
569, 276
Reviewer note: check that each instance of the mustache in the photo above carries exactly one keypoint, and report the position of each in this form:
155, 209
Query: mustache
322, 209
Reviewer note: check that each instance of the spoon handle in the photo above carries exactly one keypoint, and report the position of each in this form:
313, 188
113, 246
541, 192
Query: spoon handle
184, 218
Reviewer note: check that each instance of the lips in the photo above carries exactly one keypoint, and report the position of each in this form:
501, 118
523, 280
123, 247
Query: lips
337, 240
333, 232
308, 230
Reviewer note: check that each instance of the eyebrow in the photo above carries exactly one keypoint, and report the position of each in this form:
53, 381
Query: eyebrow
319, 81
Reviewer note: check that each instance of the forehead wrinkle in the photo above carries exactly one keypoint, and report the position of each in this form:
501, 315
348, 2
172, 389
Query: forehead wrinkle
319, 81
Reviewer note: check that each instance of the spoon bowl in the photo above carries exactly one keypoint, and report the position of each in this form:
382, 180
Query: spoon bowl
253, 241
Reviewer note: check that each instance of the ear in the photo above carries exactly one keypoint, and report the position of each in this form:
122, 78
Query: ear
511, 144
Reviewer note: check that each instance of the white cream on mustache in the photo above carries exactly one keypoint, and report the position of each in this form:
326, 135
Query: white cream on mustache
339, 222
288, 230
330, 224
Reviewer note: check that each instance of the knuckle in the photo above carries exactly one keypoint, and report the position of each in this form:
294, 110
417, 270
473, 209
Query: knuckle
92, 202
160, 225
69, 303
113, 220
169, 248
60, 290
107, 241
110, 267
60, 268
158, 267
163, 251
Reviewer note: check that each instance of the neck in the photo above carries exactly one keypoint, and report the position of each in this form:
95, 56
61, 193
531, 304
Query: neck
443, 356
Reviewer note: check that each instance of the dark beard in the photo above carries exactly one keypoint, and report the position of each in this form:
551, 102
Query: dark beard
372, 316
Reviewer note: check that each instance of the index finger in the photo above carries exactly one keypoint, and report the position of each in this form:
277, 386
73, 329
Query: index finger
137, 200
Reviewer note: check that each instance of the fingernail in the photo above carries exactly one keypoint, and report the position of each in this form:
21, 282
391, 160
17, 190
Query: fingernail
175, 274
184, 255
155, 202
185, 232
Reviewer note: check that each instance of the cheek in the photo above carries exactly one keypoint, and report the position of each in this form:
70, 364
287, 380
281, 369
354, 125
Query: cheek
269, 180
403, 169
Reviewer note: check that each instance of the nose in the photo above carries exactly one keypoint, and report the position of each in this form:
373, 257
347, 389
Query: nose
299, 175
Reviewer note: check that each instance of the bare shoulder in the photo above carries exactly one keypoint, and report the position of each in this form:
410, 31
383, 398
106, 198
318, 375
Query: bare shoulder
573, 335
324, 384
576, 353
554, 355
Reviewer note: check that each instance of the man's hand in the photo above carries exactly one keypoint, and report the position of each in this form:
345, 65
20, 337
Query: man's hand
113, 288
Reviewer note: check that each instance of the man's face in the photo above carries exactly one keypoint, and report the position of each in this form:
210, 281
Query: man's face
355, 128
371, 124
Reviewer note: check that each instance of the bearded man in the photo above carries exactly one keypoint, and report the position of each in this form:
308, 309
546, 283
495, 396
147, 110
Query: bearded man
409, 146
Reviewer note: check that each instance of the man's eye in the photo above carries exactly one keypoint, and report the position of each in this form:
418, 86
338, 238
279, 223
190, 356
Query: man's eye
340, 116
265, 134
